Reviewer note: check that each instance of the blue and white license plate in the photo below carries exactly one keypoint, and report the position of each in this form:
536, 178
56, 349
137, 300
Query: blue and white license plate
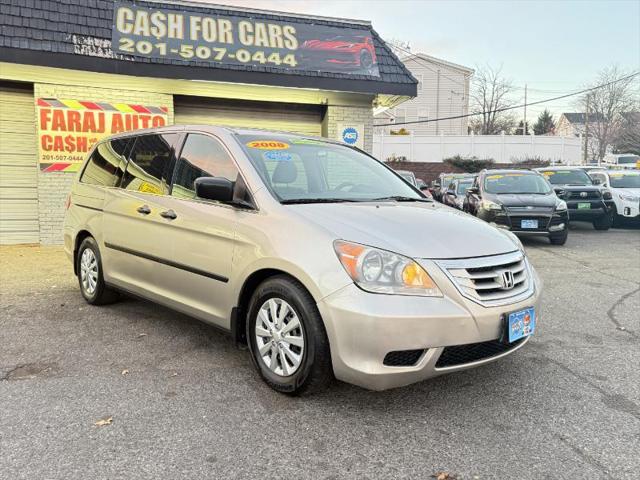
529, 224
521, 324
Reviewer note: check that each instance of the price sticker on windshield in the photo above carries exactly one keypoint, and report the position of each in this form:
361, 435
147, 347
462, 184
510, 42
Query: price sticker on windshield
268, 145
494, 177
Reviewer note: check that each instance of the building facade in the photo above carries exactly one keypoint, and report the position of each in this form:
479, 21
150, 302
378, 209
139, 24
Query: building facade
443, 91
72, 72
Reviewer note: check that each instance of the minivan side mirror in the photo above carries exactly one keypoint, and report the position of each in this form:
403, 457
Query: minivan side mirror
214, 188
559, 191
473, 190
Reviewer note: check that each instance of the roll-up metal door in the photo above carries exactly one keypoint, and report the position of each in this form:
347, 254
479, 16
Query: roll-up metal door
305, 119
18, 166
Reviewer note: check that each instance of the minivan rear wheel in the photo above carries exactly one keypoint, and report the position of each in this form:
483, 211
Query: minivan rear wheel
287, 339
89, 268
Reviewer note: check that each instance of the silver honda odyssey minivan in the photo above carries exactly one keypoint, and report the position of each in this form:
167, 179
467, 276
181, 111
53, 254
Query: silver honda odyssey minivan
318, 257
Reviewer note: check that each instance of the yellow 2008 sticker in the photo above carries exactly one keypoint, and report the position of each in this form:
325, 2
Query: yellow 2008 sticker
268, 145
494, 177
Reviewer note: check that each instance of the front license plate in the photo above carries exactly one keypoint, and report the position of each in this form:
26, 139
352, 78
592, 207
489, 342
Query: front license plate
529, 223
582, 206
521, 324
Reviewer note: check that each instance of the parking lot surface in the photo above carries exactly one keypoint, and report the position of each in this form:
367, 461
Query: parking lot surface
185, 403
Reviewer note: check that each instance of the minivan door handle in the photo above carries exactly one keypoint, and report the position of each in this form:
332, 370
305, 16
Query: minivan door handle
144, 209
169, 214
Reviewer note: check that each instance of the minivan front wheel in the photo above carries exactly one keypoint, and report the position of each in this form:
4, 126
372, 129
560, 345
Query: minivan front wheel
287, 339
89, 268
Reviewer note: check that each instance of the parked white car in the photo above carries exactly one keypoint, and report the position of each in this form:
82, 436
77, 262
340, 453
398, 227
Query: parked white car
624, 186
621, 160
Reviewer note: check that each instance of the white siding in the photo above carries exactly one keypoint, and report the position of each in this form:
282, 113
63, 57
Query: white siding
443, 92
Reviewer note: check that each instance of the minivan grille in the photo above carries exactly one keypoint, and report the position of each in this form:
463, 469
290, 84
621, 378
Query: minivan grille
402, 358
473, 352
491, 280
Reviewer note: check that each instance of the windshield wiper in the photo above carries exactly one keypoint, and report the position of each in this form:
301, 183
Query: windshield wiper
293, 201
400, 198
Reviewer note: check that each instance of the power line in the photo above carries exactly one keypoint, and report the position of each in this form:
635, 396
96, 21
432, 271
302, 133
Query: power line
514, 107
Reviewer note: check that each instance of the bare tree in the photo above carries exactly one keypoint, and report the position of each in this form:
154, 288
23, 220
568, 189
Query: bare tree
628, 138
606, 107
491, 92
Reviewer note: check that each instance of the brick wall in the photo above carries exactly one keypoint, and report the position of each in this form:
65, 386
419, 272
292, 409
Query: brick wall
53, 187
337, 114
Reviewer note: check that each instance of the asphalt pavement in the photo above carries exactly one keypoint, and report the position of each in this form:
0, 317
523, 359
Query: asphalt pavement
178, 400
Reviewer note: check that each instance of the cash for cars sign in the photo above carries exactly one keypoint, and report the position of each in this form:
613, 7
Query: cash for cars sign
67, 129
205, 36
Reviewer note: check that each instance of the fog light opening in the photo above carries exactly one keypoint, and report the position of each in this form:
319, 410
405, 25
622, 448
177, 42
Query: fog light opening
555, 228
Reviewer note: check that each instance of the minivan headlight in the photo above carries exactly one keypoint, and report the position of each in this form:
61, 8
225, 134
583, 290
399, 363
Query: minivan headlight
380, 271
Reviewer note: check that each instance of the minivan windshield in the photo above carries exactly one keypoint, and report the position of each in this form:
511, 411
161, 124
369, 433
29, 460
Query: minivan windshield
306, 170
523, 183
624, 180
567, 177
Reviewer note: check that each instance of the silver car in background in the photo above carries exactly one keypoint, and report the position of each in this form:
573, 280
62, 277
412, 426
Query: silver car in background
316, 255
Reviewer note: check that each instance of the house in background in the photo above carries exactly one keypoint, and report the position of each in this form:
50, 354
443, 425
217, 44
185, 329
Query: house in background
443, 91
573, 124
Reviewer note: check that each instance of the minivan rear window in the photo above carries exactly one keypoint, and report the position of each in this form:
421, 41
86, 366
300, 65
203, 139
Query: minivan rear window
104, 166
151, 163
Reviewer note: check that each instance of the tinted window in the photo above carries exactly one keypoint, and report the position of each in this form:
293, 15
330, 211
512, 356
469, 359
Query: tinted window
463, 186
624, 180
567, 177
150, 164
202, 156
516, 183
105, 165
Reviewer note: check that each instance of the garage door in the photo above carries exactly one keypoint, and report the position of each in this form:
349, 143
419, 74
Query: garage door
296, 118
18, 166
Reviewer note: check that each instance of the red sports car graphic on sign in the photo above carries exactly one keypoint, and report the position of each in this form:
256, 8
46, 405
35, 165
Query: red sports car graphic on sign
348, 52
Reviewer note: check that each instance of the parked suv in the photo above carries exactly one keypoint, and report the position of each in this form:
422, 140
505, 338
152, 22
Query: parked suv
317, 256
521, 201
624, 186
586, 201
455, 194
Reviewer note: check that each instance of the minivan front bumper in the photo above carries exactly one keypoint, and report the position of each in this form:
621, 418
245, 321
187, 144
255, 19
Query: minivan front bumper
364, 328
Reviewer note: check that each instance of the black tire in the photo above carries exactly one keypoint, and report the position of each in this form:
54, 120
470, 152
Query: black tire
315, 372
559, 239
102, 294
603, 223
616, 220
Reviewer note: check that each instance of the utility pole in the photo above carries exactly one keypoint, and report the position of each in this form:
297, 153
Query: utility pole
586, 133
524, 125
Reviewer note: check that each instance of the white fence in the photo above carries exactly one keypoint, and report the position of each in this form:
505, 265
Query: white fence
501, 148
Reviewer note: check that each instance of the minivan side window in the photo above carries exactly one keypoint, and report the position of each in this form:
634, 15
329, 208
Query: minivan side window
104, 166
202, 156
151, 163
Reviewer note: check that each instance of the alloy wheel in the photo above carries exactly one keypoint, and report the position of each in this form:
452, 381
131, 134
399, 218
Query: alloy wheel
279, 337
89, 271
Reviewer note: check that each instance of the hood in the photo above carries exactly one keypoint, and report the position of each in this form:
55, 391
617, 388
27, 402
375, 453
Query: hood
627, 191
416, 230
576, 188
522, 200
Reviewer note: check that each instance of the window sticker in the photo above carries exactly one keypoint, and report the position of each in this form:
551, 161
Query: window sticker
277, 156
494, 177
514, 174
268, 145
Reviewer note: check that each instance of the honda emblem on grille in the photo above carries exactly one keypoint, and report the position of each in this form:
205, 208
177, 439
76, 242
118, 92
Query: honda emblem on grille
506, 280
583, 194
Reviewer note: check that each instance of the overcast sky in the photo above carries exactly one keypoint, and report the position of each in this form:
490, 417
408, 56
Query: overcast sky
553, 46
